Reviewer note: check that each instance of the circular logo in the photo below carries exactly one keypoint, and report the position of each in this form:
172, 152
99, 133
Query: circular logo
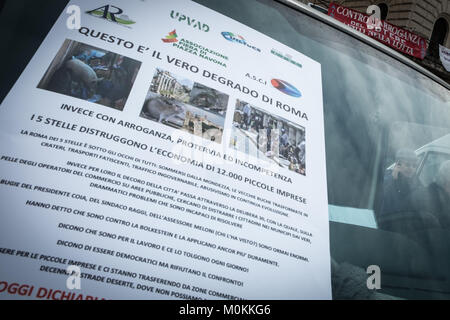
232, 37
286, 88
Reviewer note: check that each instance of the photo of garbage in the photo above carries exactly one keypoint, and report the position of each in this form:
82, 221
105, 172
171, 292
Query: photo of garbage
92, 74
268, 137
186, 105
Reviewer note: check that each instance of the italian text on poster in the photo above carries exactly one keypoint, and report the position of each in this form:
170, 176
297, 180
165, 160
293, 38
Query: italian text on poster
163, 151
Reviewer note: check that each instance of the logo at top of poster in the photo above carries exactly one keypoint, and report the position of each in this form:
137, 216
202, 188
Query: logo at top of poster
194, 48
113, 14
171, 37
238, 39
286, 88
286, 57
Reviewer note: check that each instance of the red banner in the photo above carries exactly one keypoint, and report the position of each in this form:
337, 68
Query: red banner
382, 31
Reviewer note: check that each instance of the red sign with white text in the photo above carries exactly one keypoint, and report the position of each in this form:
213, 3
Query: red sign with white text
382, 31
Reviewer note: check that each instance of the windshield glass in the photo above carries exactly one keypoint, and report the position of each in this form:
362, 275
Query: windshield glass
376, 109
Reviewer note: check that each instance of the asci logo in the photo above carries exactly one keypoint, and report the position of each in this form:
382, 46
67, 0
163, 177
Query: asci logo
286, 88
238, 39
116, 15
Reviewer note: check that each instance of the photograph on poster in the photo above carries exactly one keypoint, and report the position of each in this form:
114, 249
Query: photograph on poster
89, 73
186, 105
268, 137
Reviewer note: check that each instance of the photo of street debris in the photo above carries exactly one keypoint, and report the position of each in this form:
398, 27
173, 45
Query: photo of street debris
186, 105
92, 74
268, 137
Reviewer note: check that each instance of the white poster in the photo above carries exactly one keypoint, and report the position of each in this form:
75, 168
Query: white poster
444, 54
163, 151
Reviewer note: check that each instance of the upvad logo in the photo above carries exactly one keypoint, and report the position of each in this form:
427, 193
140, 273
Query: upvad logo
113, 14
286, 88
189, 20
238, 39
171, 37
